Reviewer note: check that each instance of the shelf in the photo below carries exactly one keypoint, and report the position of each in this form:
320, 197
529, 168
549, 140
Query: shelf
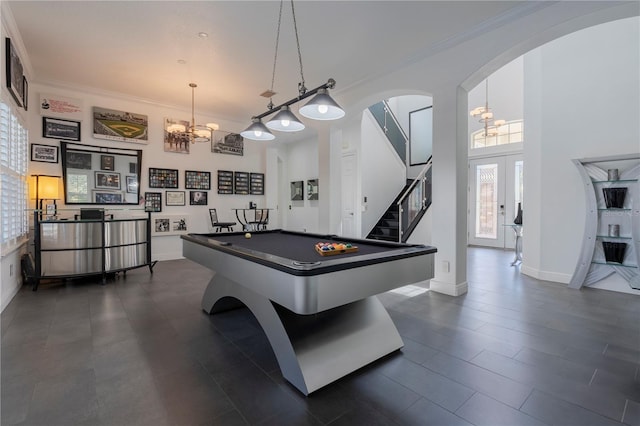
614, 264
615, 181
613, 238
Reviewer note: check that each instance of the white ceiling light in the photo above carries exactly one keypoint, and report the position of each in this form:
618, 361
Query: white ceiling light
196, 132
491, 126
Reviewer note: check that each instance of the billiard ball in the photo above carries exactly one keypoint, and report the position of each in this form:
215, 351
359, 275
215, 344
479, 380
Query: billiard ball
247, 235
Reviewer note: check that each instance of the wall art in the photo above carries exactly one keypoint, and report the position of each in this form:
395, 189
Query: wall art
120, 125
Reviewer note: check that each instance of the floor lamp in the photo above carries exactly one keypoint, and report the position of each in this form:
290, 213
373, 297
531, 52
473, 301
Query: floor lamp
45, 187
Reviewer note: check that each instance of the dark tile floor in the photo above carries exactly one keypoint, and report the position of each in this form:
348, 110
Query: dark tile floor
139, 351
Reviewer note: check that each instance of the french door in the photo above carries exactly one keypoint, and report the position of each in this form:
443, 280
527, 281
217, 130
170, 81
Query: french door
495, 189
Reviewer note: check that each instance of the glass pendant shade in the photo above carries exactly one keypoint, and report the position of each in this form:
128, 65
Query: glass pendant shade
257, 131
322, 107
285, 121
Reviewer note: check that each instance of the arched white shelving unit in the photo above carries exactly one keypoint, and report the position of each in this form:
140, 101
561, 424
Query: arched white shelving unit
592, 265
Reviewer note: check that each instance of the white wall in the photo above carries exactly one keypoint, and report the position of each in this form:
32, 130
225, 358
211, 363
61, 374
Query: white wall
302, 165
200, 158
383, 173
581, 100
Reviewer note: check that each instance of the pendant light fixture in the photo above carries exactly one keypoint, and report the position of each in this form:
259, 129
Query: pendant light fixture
196, 132
321, 107
491, 126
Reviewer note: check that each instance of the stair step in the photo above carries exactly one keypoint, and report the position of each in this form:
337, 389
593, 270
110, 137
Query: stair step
383, 237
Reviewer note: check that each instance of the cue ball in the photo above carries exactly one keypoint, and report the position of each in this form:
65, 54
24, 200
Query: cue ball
247, 235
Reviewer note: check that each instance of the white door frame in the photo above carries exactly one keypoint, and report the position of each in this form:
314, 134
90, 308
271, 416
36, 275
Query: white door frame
505, 197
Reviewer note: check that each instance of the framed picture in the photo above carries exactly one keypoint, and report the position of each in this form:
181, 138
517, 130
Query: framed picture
198, 198
169, 225
132, 184
15, 73
197, 180
133, 168
25, 92
44, 153
225, 182
56, 128
176, 139
153, 202
163, 178
312, 189
174, 198
107, 197
107, 180
106, 162
119, 125
257, 183
227, 143
296, 190
78, 160
241, 183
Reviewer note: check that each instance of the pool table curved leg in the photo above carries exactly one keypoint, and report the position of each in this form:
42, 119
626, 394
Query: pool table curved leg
314, 350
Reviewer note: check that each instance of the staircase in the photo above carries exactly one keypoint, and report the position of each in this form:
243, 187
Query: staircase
388, 227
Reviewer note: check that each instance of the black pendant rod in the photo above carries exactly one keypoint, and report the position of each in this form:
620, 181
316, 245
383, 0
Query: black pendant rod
330, 84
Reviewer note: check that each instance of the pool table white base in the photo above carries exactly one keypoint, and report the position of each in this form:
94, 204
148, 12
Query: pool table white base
318, 349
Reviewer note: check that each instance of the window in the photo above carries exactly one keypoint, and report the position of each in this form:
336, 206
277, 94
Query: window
510, 132
14, 147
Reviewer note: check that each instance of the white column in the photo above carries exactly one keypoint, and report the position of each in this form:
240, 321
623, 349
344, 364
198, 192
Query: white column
450, 169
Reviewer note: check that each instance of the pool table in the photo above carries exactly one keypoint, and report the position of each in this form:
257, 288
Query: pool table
320, 313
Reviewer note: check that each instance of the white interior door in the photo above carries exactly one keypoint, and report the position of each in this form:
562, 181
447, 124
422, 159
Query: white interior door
349, 202
495, 188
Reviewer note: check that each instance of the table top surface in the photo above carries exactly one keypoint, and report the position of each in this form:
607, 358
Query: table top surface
295, 251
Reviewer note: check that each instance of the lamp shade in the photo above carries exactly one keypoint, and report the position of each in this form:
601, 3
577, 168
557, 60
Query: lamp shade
257, 131
285, 121
322, 107
44, 187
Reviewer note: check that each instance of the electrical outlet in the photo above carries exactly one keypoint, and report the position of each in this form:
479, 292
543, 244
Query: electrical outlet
445, 266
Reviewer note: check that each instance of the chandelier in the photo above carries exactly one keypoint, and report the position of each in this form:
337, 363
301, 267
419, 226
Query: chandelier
321, 107
196, 132
491, 125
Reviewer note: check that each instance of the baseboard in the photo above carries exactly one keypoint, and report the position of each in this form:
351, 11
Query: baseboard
167, 256
448, 288
545, 275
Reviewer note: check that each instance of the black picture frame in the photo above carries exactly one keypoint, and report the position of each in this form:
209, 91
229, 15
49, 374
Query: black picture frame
256, 183
78, 160
25, 93
163, 178
14, 73
153, 202
297, 190
44, 153
107, 180
225, 182
107, 162
241, 183
312, 189
107, 197
197, 180
132, 184
174, 198
57, 128
198, 198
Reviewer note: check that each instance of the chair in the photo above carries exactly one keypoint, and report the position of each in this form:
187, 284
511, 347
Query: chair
218, 226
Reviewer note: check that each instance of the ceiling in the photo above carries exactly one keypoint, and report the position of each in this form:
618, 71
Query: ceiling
135, 47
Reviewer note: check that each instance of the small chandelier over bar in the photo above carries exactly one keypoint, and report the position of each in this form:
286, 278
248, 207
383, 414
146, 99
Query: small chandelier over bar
491, 126
321, 107
196, 132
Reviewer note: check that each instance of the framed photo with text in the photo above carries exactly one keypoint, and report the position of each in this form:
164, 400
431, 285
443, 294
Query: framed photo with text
44, 153
163, 178
56, 128
174, 198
